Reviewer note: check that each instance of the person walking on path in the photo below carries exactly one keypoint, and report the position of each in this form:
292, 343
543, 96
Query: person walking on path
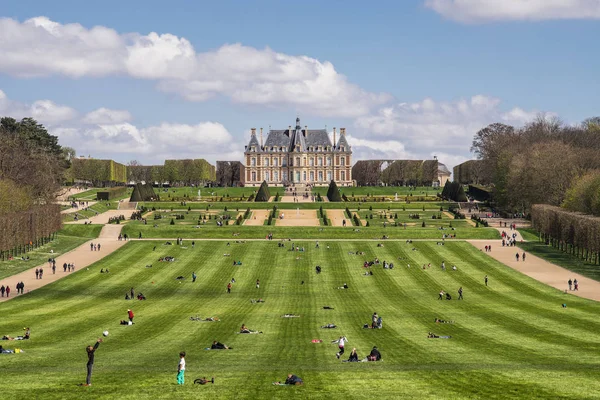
575, 286
181, 369
7, 291
570, 284
130, 315
486, 280
91, 246
91, 351
523, 257
517, 257
98, 246
53, 269
37, 273
229, 287
2, 290
41, 272
460, 292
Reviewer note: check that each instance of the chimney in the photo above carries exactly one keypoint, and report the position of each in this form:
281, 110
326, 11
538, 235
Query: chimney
290, 128
253, 131
261, 141
343, 131
334, 137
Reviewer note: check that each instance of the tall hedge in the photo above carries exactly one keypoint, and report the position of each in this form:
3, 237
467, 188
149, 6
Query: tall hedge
574, 232
21, 228
263, 192
333, 193
99, 172
111, 193
454, 191
189, 171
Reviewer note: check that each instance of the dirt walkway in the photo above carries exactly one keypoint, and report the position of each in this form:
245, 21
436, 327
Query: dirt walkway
298, 218
257, 218
337, 218
300, 198
81, 256
539, 269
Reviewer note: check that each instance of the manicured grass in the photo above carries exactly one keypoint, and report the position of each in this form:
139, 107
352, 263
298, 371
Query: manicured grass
189, 228
509, 340
91, 211
68, 238
90, 195
383, 205
555, 256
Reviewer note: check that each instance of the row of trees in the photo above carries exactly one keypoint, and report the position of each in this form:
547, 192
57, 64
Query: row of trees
32, 170
539, 162
101, 173
184, 172
573, 232
229, 173
473, 172
395, 172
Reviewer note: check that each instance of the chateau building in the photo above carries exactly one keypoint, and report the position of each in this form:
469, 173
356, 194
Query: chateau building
298, 156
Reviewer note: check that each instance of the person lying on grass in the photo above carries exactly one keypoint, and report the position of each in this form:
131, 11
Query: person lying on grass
257, 301
207, 319
204, 381
125, 322
442, 321
245, 329
291, 380
431, 335
290, 316
344, 287
219, 346
329, 326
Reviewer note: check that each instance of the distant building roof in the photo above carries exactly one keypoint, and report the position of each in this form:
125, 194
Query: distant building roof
442, 169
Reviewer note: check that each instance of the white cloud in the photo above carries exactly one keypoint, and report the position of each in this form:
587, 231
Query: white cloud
45, 111
499, 10
427, 128
41, 47
106, 133
107, 116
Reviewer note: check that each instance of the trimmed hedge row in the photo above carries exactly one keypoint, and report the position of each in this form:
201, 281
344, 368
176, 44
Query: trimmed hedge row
111, 193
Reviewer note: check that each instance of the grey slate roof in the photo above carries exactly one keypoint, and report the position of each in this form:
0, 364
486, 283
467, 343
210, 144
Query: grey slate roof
443, 169
253, 142
343, 142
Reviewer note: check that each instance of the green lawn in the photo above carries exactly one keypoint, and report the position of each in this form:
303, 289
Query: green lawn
509, 340
189, 228
67, 239
383, 205
91, 211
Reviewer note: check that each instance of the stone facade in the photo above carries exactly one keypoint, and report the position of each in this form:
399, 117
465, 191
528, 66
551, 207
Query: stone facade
298, 156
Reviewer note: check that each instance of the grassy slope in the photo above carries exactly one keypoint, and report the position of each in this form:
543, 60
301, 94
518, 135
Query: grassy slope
510, 340
90, 195
68, 238
186, 229
99, 208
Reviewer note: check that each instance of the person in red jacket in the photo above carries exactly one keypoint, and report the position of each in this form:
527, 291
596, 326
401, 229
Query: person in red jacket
7, 290
130, 314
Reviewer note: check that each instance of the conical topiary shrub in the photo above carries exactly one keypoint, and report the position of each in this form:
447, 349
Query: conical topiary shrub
263, 192
333, 193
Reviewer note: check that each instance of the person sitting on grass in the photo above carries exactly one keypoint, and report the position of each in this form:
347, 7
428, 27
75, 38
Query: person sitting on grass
353, 356
219, 346
290, 316
125, 322
375, 355
448, 297
291, 380
204, 381
140, 296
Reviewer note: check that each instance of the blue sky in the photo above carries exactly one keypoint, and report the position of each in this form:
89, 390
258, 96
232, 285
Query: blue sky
408, 79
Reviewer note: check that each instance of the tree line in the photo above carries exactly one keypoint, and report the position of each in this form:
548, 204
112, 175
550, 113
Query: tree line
395, 172
540, 162
177, 172
32, 170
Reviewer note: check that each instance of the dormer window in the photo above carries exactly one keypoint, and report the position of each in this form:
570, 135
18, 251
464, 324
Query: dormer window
254, 148
342, 148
